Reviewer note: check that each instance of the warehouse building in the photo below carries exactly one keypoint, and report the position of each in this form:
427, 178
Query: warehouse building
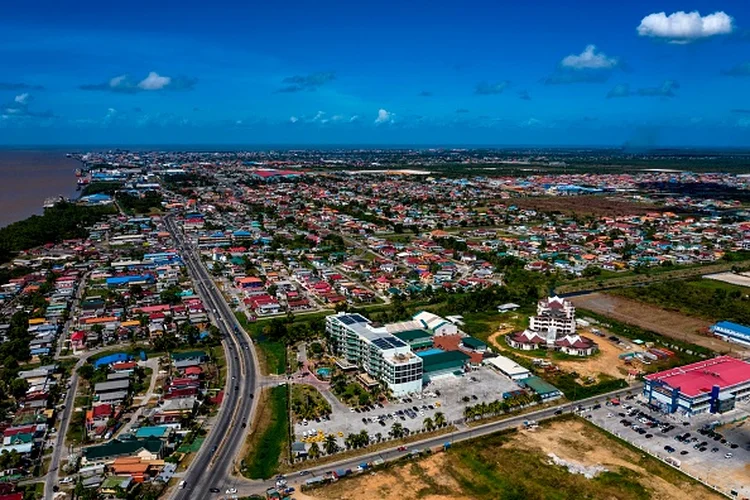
437, 363
508, 367
732, 332
710, 386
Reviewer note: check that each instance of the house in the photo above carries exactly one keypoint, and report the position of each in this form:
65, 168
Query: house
148, 449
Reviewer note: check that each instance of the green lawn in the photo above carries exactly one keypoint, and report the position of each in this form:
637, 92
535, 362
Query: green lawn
308, 403
272, 353
270, 438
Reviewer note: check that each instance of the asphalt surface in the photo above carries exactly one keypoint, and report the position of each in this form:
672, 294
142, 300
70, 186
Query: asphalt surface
295, 480
215, 460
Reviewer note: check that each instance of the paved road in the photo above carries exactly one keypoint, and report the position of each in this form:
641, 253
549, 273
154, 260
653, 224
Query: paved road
248, 487
62, 429
215, 460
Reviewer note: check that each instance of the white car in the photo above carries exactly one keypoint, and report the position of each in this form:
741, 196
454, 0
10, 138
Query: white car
231, 491
66, 480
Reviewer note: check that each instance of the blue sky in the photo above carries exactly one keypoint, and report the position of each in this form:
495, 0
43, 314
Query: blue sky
648, 73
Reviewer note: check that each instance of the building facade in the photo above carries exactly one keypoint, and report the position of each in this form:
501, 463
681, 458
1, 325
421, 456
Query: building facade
377, 352
711, 386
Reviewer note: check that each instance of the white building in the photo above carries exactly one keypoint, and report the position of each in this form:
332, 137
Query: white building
377, 352
508, 367
556, 314
435, 324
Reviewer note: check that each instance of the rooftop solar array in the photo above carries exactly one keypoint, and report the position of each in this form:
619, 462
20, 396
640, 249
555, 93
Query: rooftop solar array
388, 342
350, 319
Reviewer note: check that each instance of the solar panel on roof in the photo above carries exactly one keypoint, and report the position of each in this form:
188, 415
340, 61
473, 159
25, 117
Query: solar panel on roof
347, 320
382, 343
395, 342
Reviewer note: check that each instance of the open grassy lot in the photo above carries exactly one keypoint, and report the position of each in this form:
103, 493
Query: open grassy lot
702, 298
518, 465
268, 441
648, 322
272, 353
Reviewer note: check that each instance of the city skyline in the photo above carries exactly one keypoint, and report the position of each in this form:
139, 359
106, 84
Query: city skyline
643, 75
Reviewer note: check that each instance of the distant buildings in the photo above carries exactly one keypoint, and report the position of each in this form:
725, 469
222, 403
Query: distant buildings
554, 328
732, 332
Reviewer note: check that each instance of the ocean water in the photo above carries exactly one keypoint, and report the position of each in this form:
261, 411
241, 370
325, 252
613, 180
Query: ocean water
28, 177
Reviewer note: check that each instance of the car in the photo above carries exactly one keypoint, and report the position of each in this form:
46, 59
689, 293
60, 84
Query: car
401, 448
558, 412
684, 452
236, 387
252, 395
66, 480
214, 448
182, 484
714, 450
231, 491
728, 455
668, 449
648, 436
214, 490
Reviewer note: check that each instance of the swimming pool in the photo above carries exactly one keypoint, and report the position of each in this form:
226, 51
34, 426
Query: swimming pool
429, 352
323, 372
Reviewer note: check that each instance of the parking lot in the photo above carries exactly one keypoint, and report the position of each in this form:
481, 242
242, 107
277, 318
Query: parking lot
718, 458
444, 395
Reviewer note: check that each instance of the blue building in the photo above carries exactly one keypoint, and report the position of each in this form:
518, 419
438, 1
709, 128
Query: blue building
120, 357
732, 332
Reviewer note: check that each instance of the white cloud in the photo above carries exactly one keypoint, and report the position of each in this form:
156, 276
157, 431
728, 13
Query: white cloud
384, 116
23, 98
154, 81
589, 59
118, 81
354, 119
319, 117
293, 119
684, 27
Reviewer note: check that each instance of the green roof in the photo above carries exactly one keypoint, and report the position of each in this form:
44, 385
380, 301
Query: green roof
120, 448
473, 343
539, 385
411, 335
444, 360
176, 356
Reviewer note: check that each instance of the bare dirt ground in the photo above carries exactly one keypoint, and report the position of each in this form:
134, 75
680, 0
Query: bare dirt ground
741, 279
573, 440
394, 484
570, 440
668, 323
586, 205
606, 362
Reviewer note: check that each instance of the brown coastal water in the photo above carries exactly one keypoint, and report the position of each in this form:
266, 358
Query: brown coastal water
29, 177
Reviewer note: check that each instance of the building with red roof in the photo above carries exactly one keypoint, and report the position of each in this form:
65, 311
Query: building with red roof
709, 386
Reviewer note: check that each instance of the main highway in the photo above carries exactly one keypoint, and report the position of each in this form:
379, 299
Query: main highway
214, 462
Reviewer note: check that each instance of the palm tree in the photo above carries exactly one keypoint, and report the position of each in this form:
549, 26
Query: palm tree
314, 451
350, 441
440, 419
379, 436
331, 445
397, 431
428, 424
364, 438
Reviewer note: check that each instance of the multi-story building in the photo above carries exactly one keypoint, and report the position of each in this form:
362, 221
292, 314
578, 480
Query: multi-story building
379, 353
554, 313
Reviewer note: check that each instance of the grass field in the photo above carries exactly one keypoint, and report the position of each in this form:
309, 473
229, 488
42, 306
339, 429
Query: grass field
268, 441
272, 354
517, 465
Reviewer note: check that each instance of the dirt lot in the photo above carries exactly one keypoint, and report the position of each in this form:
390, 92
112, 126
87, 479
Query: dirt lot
667, 323
601, 206
494, 471
606, 362
741, 279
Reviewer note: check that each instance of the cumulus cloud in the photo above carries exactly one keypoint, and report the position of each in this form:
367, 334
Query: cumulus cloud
742, 69
383, 117
486, 88
666, 89
311, 82
589, 66
122, 84
684, 27
589, 59
524, 95
23, 98
293, 119
13, 86
154, 81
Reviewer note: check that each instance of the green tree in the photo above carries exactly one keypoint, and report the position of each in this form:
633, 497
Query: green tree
19, 387
314, 451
